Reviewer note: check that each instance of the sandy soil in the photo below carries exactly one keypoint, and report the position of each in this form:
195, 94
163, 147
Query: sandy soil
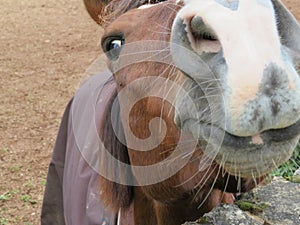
46, 46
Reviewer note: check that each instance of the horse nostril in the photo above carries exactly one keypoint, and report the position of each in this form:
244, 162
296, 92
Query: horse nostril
200, 30
196, 24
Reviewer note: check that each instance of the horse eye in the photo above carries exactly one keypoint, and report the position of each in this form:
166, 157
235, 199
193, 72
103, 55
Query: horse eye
112, 46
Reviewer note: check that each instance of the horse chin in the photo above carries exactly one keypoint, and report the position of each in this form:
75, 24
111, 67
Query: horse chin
247, 157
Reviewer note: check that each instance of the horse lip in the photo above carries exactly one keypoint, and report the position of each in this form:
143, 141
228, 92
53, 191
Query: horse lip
213, 133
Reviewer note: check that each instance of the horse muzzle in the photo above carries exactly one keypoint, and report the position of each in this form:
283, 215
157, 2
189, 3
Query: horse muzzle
242, 83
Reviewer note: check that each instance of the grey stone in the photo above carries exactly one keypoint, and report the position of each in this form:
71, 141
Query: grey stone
277, 203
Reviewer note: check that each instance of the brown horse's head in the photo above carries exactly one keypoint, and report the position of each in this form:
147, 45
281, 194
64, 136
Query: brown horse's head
208, 90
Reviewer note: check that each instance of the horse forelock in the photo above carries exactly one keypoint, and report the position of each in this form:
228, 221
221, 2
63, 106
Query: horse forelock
116, 8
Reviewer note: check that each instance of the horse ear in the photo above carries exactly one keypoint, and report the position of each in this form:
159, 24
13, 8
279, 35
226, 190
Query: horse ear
106, 10
289, 30
95, 8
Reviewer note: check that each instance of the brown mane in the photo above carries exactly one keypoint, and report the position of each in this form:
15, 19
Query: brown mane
115, 195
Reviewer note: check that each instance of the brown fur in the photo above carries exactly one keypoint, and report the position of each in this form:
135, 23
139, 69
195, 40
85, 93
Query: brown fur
178, 198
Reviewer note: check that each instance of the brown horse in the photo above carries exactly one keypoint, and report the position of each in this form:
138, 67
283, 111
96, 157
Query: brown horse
207, 102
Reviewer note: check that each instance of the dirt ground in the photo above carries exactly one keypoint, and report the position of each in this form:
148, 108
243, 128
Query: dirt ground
46, 46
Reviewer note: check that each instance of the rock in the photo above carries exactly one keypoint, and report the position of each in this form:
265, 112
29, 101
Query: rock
277, 203
226, 215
